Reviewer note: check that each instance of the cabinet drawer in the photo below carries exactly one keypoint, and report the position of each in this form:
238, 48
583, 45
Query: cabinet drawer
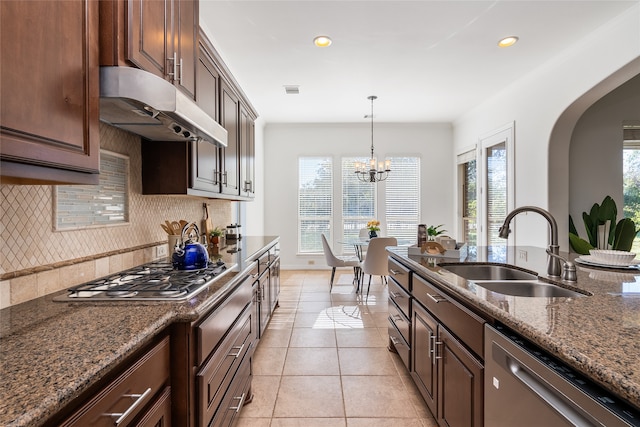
216, 325
399, 296
263, 262
399, 344
214, 378
400, 321
239, 393
131, 391
467, 326
400, 273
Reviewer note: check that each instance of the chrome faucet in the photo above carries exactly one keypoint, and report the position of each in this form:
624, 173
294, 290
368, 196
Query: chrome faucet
553, 262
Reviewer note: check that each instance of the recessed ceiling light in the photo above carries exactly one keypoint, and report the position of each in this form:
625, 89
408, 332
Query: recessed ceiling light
508, 41
322, 41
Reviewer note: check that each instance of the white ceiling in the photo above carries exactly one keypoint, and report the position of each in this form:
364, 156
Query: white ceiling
427, 61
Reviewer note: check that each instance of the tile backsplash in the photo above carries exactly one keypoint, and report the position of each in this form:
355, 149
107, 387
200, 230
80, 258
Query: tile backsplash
35, 260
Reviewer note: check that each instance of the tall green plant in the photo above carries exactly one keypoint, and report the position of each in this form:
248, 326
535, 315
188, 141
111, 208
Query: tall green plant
620, 235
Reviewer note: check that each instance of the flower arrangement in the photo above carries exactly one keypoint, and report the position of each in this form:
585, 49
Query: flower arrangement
373, 225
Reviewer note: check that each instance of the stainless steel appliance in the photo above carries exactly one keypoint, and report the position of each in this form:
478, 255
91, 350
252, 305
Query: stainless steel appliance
155, 281
145, 104
526, 387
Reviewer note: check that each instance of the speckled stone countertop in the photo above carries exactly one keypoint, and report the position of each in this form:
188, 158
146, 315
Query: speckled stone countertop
50, 352
598, 335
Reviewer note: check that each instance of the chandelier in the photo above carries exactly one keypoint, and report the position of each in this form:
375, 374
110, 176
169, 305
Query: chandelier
373, 171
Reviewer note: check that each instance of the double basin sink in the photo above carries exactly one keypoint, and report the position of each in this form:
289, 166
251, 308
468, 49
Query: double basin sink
508, 280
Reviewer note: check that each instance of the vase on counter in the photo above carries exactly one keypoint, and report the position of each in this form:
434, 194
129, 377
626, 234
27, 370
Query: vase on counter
372, 234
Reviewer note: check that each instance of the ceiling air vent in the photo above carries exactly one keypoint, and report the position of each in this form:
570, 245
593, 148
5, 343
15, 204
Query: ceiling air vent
292, 90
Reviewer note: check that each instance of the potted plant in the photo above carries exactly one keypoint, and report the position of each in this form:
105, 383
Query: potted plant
435, 230
215, 235
374, 227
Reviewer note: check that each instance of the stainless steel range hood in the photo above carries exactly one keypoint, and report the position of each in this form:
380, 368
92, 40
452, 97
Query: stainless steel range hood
145, 104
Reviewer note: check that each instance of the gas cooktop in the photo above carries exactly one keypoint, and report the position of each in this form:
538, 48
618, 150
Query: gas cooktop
155, 281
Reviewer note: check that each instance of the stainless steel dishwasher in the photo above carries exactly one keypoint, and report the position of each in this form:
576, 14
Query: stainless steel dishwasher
526, 387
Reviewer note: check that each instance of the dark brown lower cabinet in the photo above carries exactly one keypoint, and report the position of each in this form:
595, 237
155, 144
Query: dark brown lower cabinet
139, 396
449, 377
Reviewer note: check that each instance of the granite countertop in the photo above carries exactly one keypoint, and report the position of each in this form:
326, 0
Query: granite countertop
51, 352
597, 335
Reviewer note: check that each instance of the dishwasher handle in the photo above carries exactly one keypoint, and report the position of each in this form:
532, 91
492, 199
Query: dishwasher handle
553, 397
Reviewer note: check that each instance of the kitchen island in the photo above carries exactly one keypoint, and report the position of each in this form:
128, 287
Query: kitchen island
597, 334
52, 352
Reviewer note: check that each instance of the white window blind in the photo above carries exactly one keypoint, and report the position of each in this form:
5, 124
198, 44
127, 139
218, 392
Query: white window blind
402, 195
315, 202
358, 202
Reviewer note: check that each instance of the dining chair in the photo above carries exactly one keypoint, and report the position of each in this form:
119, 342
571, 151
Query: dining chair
363, 235
335, 261
376, 262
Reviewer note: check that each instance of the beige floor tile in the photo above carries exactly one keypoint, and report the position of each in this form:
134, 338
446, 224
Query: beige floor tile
376, 396
315, 296
265, 391
366, 361
321, 320
313, 306
384, 422
275, 338
311, 337
317, 396
366, 337
252, 422
308, 422
311, 361
269, 360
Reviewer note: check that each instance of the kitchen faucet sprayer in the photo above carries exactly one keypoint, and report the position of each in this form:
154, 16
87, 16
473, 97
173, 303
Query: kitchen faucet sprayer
553, 261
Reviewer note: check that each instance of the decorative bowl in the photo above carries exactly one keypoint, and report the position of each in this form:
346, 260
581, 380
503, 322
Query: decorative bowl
612, 257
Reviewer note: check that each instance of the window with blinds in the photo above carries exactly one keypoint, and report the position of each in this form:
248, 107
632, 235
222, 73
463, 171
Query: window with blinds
402, 198
467, 197
358, 202
315, 202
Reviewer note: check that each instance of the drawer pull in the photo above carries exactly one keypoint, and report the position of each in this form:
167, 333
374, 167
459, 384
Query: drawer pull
395, 272
237, 408
437, 298
397, 318
394, 340
239, 351
396, 295
139, 399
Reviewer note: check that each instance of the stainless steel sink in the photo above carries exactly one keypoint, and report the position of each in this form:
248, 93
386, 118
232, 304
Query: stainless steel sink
527, 288
508, 280
488, 272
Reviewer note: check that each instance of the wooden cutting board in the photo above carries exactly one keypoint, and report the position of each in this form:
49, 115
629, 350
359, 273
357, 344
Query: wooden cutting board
207, 224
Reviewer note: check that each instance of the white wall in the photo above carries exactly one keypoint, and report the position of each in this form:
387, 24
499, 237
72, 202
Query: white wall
284, 143
595, 155
536, 102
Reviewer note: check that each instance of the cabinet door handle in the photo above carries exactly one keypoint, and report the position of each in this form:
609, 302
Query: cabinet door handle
224, 178
237, 408
437, 298
139, 399
239, 349
215, 177
432, 348
435, 350
180, 75
174, 61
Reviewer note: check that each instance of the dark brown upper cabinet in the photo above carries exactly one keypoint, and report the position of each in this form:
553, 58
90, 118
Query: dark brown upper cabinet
49, 123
